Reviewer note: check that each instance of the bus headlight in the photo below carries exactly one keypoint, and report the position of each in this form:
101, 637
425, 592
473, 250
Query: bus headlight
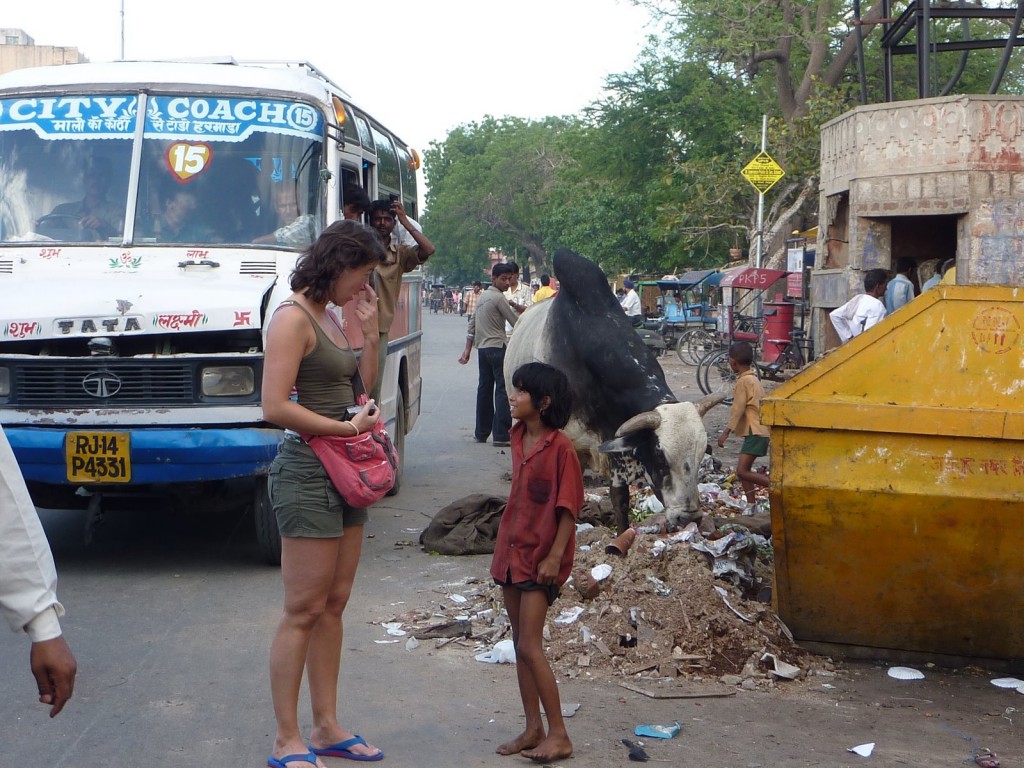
5, 382
228, 381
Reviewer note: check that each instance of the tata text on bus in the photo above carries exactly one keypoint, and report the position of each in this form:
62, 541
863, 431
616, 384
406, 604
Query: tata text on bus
150, 215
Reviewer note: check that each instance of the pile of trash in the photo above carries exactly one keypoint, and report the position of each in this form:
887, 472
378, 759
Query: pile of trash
691, 604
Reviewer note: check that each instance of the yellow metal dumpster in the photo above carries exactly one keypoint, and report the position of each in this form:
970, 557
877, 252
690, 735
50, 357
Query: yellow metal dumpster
897, 483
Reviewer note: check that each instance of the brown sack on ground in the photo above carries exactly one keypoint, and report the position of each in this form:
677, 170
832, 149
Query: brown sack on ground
467, 526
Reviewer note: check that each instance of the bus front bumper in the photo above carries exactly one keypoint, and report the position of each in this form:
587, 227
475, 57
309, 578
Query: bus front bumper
156, 456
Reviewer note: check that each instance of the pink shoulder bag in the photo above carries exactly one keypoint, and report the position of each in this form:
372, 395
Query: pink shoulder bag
361, 467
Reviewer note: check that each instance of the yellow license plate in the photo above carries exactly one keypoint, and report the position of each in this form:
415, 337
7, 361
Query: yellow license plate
98, 457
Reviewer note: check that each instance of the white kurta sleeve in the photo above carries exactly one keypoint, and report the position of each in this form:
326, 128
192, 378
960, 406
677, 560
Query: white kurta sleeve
28, 577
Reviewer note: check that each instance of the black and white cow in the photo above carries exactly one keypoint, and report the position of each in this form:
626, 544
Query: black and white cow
621, 402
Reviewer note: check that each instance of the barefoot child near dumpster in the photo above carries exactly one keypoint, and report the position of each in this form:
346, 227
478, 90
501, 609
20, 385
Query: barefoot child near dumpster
745, 419
535, 546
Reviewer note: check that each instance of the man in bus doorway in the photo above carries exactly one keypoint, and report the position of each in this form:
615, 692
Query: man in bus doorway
401, 258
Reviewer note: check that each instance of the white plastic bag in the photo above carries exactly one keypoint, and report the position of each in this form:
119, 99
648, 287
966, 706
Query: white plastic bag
503, 652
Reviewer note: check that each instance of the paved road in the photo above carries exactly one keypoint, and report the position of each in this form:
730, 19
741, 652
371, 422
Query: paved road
171, 617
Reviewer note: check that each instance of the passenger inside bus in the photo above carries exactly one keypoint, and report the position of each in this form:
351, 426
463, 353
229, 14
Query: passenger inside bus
177, 221
293, 228
234, 183
94, 216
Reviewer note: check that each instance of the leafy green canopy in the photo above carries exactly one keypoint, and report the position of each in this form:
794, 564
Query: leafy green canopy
647, 179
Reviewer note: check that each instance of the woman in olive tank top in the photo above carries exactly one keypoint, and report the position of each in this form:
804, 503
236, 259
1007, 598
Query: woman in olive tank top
321, 537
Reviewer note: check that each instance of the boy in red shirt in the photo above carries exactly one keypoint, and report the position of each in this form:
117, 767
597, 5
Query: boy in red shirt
535, 547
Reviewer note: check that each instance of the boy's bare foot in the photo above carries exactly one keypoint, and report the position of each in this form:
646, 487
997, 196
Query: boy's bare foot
552, 748
525, 740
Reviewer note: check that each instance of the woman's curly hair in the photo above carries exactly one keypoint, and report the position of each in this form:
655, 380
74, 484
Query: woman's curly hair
343, 245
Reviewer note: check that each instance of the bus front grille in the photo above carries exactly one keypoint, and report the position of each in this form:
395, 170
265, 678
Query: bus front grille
94, 383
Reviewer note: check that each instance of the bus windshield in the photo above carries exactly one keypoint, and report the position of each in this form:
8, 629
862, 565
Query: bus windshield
212, 170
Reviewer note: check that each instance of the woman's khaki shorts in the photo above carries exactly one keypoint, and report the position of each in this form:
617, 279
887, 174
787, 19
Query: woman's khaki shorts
304, 499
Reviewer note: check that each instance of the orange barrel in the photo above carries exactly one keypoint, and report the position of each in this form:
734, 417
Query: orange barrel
776, 328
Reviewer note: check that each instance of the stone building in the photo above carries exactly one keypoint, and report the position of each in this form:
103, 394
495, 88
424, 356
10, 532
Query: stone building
931, 179
19, 51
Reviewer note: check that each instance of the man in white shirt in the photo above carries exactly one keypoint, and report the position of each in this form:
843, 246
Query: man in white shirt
862, 311
631, 304
28, 584
520, 296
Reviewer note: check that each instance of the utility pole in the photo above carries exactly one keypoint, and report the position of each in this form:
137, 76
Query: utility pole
760, 196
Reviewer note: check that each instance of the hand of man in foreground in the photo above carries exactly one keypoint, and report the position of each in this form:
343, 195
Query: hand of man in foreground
54, 668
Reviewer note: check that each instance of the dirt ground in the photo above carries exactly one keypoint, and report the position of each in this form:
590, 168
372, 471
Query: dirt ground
682, 645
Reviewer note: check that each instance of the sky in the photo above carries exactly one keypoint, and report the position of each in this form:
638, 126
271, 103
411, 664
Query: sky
421, 67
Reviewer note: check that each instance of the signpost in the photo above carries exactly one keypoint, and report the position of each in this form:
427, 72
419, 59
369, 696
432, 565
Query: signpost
762, 172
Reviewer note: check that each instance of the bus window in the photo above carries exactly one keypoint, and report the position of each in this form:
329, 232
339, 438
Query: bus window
363, 131
56, 182
236, 170
352, 133
387, 161
408, 173
351, 192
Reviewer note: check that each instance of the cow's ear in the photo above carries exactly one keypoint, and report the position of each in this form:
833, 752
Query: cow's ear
625, 444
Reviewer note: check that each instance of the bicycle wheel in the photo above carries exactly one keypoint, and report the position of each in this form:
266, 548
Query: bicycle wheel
682, 347
702, 367
717, 375
695, 344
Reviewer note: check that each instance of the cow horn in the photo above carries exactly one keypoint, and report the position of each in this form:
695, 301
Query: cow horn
705, 404
645, 420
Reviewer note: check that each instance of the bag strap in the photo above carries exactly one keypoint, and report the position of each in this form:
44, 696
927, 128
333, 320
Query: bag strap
358, 378
358, 388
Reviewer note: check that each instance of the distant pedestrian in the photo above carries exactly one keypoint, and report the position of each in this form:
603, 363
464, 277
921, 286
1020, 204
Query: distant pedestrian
469, 303
487, 332
520, 296
545, 291
631, 304
534, 550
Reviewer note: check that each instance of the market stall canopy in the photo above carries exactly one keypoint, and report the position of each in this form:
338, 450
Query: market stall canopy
750, 277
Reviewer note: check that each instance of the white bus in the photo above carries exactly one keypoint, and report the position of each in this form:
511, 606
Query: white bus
143, 249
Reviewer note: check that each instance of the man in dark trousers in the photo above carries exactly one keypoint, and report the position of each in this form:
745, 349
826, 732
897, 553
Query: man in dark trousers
487, 333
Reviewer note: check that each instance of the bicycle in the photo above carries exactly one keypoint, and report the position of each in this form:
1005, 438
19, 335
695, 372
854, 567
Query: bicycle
694, 343
714, 374
794, 355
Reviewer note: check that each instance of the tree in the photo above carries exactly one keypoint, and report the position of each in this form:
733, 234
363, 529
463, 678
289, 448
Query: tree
795, 58
490, 184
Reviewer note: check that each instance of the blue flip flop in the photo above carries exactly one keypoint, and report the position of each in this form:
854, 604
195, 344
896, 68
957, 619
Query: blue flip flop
344, 749
308, 757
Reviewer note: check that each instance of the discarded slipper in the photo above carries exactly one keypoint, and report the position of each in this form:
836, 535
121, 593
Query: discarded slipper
986, 759
344, 749
309, 757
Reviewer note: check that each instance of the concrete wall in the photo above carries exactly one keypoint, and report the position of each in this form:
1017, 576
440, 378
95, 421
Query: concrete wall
23, 56
887, 168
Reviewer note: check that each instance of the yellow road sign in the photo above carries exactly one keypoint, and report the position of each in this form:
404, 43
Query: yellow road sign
763, 172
